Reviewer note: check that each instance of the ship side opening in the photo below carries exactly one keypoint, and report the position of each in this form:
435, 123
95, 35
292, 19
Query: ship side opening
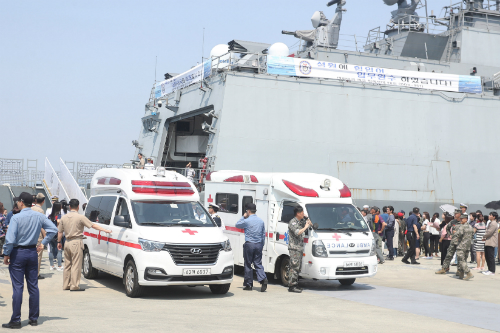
186, 141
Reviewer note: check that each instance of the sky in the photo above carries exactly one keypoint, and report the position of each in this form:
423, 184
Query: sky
75, 75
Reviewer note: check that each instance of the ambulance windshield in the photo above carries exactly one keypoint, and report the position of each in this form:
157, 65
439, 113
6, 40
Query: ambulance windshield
171, 214
336, 217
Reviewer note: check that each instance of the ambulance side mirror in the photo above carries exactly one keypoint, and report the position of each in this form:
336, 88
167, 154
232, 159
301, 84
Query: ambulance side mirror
122, 221
315, 226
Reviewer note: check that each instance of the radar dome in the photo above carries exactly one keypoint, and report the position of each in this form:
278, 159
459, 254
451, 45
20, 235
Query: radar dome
219, 50
279, 49
315, 19
221, 57
391, 2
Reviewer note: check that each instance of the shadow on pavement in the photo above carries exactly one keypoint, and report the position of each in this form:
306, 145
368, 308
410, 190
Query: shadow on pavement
159, 293
42, 319
308, 284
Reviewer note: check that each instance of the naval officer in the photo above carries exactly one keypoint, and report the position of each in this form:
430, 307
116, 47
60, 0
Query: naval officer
20, 252
37, 207
72, 225
213, 209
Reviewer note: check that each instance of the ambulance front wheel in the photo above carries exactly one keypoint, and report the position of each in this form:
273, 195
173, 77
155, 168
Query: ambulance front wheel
220, 289
347, 282
89, 272
132, 287
285, 265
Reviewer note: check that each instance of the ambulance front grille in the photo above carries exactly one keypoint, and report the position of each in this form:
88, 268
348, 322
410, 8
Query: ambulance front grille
182, 255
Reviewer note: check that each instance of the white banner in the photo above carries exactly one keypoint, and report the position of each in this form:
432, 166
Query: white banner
53, 184
373, 75
194, 75
70, 185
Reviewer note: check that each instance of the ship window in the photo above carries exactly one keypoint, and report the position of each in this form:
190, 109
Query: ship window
227, 202
287, 212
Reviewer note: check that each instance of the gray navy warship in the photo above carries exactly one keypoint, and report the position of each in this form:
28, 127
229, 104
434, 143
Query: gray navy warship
411, 118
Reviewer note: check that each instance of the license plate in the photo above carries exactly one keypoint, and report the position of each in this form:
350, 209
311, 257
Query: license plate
197, 271
353, 264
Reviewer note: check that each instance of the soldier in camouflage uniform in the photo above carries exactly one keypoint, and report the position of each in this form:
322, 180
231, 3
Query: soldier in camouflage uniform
464, 234
451, 229
296, 230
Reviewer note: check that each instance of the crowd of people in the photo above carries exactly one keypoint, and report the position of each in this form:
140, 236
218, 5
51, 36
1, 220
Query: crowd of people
442, 236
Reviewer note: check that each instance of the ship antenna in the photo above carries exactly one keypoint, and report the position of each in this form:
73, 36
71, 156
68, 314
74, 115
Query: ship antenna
156, 62
203, 46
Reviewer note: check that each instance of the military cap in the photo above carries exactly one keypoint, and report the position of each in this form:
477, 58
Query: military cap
457, 211
214, 206
464, 216
40, 196
463, 206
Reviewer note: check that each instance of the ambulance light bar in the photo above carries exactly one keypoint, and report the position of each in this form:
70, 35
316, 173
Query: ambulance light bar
345, 192
242, 179
299, 190
161, 188
108, 181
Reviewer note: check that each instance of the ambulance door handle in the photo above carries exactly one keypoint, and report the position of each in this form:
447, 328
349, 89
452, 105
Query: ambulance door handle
277, 236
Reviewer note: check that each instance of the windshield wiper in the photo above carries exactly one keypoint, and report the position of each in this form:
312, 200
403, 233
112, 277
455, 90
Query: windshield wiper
355, 229
154, 223
336, 229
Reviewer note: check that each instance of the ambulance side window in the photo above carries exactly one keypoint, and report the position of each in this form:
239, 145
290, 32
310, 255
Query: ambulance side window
227, 202
122, 209
106, 209
287, 212
244, 202
92, 210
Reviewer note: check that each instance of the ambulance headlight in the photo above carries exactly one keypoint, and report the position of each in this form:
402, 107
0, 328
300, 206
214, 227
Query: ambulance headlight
226, 246
372, 250
318, 249
150, 246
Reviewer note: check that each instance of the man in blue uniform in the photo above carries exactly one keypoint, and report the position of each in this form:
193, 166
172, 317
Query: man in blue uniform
412, 235
21, 255
255, 237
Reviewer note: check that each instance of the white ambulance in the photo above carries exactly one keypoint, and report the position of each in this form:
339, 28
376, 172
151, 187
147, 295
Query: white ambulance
161, 233
340, 246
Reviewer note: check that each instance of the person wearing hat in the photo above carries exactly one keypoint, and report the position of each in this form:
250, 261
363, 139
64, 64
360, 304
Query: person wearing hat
72, 224
20, 251
38, 207
451, 229
212, 210
255, 238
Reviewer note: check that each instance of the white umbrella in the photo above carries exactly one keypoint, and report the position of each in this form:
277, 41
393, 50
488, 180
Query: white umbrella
448, 208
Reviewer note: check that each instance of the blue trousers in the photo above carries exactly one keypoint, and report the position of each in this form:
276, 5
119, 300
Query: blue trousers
252, 253
24, 263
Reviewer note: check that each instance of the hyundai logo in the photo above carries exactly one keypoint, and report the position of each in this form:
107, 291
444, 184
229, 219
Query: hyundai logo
352, 245
196, 251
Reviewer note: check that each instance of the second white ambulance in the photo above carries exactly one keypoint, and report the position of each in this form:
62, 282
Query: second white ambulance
161, 234
340, 246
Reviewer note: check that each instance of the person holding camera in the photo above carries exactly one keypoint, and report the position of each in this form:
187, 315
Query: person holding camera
296, 231
255, 239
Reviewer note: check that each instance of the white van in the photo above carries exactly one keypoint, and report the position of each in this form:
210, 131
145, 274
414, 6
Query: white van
161, 233
340, 246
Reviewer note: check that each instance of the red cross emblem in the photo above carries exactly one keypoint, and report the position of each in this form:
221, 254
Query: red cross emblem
189, 231
337, 237
99, 238
210, 198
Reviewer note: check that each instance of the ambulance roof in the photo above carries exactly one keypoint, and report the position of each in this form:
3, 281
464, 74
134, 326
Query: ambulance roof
297, 184
139, 184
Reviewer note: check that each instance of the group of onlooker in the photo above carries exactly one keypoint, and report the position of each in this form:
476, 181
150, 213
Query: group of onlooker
428, 235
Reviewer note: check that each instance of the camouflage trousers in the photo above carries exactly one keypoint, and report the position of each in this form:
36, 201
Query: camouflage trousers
449, 255
462, 261
294, 267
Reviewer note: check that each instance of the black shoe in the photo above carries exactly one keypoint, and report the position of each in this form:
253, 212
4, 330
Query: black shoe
453, 264
264, 285
33, 322
295, 290
415, 263
77, 290
390, 258
405, 261
40, 277
12, 325
248, 288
